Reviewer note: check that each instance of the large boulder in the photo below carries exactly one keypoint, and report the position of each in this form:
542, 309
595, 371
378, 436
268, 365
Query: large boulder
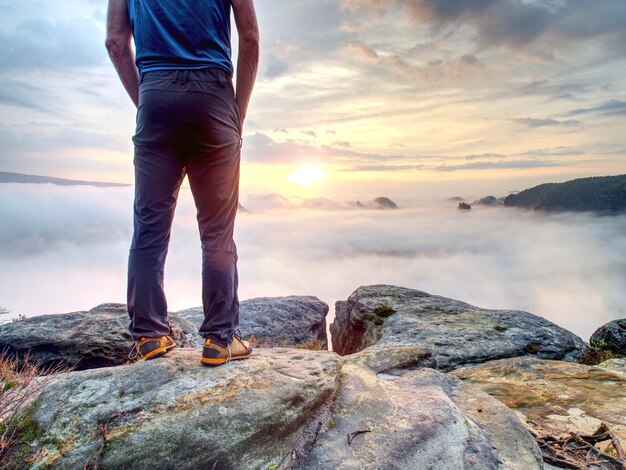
82, 340
296, 319
455, 333
174, 413
556, 397
424, 419
611, 337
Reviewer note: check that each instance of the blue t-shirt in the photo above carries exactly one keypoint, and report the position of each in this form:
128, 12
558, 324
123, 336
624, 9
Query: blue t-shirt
181, 34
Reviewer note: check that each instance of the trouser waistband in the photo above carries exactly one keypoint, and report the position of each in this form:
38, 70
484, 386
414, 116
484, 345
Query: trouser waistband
210, 74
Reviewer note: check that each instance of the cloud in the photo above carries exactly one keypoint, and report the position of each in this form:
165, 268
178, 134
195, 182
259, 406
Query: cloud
39, 44
609, 108
532, 122
554, 152
17, 93
385, 167
261, 148
499, 165
482, 156
342, 143
513, 23
362, 52
66, 249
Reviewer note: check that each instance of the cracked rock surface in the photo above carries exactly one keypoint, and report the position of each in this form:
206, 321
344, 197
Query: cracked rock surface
172, 412
295, 319
455, 333
556, 397
84, 340
425, 419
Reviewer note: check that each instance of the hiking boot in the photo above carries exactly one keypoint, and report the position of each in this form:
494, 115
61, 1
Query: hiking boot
215, 355
151, 348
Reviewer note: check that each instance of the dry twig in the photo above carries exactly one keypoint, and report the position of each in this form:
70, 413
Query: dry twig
579, 452
355, 433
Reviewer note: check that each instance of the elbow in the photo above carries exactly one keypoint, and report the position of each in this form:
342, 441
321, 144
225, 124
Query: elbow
250, 43
250, 37
115, 46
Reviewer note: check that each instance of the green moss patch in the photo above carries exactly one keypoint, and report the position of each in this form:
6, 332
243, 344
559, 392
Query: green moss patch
384, 311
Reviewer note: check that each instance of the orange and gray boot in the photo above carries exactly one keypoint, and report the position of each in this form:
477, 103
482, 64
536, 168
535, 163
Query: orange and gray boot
214, 355
151, 348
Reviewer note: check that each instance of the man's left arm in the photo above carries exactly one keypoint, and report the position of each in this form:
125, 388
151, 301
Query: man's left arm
118, 44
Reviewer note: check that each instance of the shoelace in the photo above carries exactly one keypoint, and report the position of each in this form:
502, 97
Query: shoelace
237, 335
134, 352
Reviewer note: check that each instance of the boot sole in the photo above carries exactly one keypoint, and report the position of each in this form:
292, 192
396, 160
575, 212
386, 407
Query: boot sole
158, 352
218, 361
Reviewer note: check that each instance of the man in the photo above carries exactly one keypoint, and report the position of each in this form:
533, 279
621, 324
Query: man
189, 122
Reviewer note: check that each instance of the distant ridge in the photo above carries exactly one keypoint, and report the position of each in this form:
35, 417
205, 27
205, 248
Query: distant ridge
8, 177
606, 194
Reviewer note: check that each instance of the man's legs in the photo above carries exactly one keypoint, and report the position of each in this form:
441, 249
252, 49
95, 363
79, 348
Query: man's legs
187, 121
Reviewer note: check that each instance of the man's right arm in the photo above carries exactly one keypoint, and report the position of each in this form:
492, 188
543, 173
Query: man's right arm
248, 58
118, 43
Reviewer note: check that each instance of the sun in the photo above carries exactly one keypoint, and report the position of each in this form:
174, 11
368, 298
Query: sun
306, 175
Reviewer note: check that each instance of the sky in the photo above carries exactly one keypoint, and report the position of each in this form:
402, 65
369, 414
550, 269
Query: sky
366, 97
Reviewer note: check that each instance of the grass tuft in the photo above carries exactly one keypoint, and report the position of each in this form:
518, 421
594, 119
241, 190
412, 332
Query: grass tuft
21, 381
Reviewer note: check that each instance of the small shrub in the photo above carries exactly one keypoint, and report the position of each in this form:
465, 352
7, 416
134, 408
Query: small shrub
20, 384
531, 348
500, 328
595, 354
384, 311
313, 345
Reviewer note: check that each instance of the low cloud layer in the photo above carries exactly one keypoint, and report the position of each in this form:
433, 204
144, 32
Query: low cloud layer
66, 249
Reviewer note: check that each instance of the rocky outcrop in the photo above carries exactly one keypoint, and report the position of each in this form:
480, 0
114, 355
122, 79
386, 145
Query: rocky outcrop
425, 419
83, 340
174, 413
383, 404
556, 397
384, 203
611, 337
490, 201
605, 194
282, 408
378, 203
277, 320
455, 333
100, 338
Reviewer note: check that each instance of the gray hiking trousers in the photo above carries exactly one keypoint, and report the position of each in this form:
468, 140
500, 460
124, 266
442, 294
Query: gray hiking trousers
187, 124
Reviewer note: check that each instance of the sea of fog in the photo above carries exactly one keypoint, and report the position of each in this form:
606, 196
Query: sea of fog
65, 249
